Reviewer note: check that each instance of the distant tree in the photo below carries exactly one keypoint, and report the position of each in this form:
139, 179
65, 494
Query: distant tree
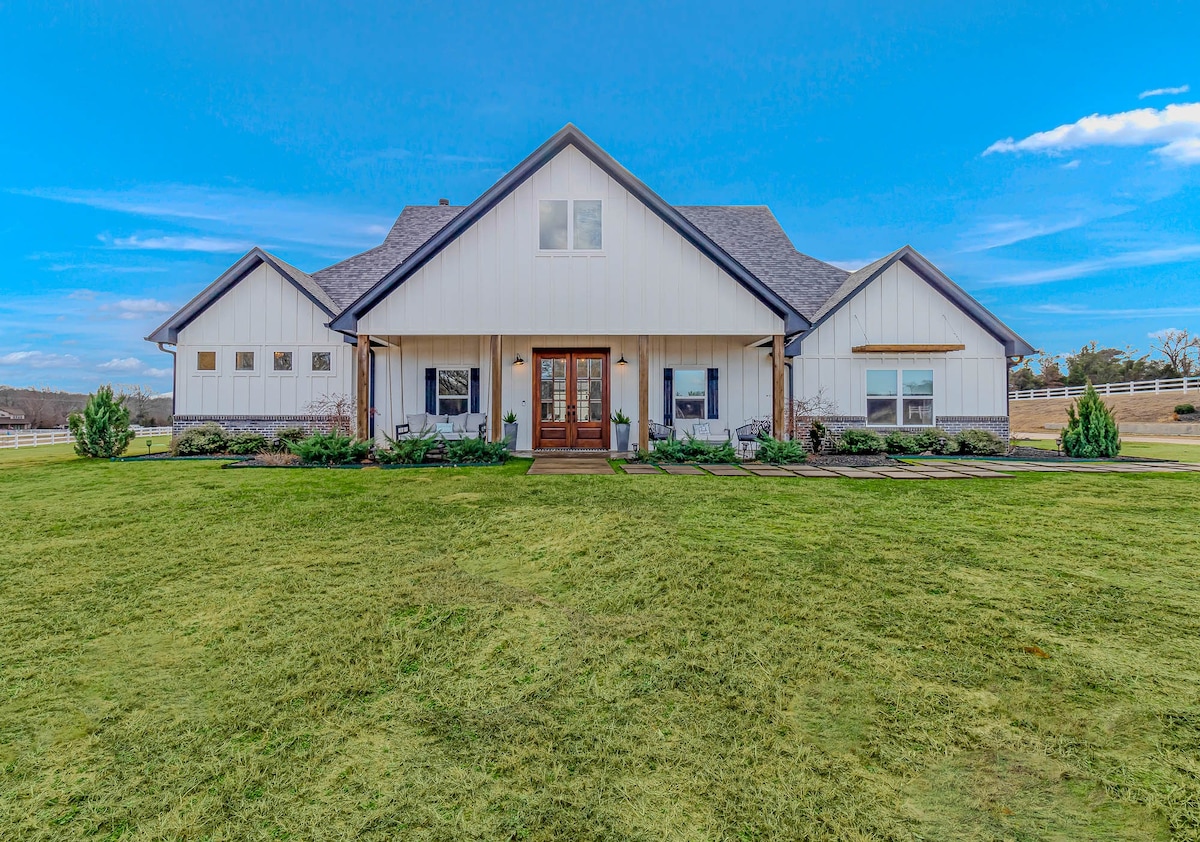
1181, 350
102, 429
1093, 364
138, 399
1024, 377
1091, 432
1052, 376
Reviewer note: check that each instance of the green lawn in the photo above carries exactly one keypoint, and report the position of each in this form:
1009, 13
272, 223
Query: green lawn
1146, 450
189, 652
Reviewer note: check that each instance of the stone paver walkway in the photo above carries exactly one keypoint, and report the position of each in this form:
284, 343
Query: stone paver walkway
569, 465
911, 469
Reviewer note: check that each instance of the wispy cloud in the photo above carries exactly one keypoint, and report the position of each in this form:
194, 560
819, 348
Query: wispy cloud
108, 268
1080, 311
215, 245
38, 359
853, 264
144, 305
1084, 268
1182, 89
1174, 131
122, 364
159, 372
998, 233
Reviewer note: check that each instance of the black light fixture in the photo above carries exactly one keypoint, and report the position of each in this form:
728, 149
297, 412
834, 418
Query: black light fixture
519, 360
622, 362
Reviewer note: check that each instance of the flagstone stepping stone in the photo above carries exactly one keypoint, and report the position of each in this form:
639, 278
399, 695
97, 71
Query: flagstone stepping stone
682, 469
640, 469
725, 471
768, 471
812, 472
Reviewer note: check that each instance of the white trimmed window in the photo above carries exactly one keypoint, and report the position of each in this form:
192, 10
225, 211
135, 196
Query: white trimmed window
691, 393
206, 361
282, 360
453, 390
900, 397
322, 361
570, 224
243, 361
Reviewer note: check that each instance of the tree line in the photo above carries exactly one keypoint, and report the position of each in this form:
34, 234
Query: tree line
48, 409
1174, 353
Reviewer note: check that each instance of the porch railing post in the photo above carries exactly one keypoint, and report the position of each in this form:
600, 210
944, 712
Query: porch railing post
643, 393
777, 387
494, 417
362, 395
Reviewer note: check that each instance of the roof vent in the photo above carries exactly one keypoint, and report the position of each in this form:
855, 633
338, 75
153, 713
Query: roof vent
443, 202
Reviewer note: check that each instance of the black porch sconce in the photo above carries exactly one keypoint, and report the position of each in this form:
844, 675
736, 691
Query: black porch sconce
519, 360
622, 362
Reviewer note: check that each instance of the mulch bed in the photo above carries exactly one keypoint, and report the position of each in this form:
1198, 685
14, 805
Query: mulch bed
1036, 453
836, 460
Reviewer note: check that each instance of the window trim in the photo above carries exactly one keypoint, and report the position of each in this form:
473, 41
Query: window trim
253, 359
215, 363
285, 372
570, 249
316, 372
675, 398
899, 398
438, 396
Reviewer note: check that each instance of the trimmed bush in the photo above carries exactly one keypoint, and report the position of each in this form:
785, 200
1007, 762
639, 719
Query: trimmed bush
1091, 432
980, 443
667, 450
411, 450
476, 450
330, 449
697, 450
902, 443
285, 437
101, 431
936, 440
857, 442
775, 452
247, 444
206, 439
1185, 409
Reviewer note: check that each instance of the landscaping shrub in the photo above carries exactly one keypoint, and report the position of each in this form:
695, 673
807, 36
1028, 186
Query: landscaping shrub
817, 434
411, 450
902, 443
1091, 432
330, 449
777, 452
201, 441
102, 430
698, 450
286, 437
247, 444
1185, 409
936, 440
859, 442
979, 443
476, 450
668, 450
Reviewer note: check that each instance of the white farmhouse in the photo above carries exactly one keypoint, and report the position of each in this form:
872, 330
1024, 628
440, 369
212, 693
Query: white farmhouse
569, 290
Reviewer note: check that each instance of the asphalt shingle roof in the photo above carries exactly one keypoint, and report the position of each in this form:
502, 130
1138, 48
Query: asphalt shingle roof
849, 285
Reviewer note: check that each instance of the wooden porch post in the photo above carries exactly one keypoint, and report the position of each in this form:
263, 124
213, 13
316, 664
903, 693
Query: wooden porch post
362, 397
643, 393
497, 396
777, 391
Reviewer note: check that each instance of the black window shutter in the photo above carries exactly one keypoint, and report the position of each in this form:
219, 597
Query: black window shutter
714, 406
668, 395
431, 391
474, 390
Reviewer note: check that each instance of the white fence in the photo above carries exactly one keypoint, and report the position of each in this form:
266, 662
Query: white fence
1178, 384
34, 438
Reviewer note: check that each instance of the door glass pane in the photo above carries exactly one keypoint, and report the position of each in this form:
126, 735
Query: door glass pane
918, 382
587, 223
560, 368
552, 392
882, 381
552, 223
581, 369
881, 412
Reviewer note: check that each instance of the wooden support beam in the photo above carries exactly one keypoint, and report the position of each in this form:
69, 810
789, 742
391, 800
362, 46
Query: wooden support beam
643, 393
777, 390
495, 416
906, 349
362, 392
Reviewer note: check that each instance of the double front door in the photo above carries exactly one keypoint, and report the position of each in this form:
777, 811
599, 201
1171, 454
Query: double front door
570, 393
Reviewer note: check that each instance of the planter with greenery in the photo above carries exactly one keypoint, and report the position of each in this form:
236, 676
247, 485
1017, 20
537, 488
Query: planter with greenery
1091, 432
102, 431
621, 426
510, 430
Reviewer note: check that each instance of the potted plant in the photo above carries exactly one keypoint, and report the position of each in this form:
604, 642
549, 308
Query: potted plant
510, 430
621, 420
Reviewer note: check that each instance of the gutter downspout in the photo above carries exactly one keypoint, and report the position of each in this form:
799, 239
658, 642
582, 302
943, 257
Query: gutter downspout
174, 374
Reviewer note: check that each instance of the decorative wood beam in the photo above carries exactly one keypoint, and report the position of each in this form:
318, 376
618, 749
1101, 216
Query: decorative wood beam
907, 349
496, 415
643, 393
362, 397
777, 389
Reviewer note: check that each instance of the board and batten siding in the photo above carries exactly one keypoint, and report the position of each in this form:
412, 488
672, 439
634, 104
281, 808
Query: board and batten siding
646, 279
899, 307
744, 387
263, 313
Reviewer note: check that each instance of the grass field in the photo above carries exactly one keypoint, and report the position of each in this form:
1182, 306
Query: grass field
1144, 450
188, 652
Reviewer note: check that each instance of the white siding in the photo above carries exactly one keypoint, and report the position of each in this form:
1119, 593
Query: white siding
263, 313
899, 307
744, 388
493, 279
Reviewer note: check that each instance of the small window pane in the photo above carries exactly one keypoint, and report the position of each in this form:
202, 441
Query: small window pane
206, 360
587, 223
881, 381
918, 382
688, 408
452, 381
283, 360
918, 412
552, 223
452, 406
690, 382
881, 412
320, 361
243, 360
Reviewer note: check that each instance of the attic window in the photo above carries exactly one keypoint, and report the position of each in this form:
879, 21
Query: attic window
570, 224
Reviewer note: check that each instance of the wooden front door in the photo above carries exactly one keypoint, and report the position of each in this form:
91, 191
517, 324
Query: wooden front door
570, 395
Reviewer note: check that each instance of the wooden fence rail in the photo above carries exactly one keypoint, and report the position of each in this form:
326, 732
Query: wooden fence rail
1177, 384
34, 438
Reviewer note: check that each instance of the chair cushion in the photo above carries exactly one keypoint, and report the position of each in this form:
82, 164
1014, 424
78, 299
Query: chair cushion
444, 427
458, 422
474, 419
700, 431
417, 422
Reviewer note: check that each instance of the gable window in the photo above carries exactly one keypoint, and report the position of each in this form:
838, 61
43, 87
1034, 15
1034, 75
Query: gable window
574, 224
900, 397
243, 361
206, 361
453, 390
283, 360
691, 393
321, 361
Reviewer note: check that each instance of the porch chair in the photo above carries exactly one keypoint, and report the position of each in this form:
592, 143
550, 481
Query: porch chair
701, 430
747, 435
660, 432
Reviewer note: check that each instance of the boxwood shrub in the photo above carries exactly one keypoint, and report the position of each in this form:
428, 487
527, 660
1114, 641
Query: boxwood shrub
980, 443
206, 439
860, 442
1185, 409
247, 444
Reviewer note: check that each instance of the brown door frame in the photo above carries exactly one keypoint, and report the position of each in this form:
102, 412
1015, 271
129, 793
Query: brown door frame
570, 354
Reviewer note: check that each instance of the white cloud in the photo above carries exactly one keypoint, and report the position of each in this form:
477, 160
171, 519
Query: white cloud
121, 364
1082, 312
853, 264
104, 267
144, 305
38, 359
1071, 165
1084, 268
1160, 334
1174, 131
159, 372
1006, 232
216, 245
1182, 89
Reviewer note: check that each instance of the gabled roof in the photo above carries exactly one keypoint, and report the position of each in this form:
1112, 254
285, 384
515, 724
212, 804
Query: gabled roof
168, 331
569, 135
1014, 345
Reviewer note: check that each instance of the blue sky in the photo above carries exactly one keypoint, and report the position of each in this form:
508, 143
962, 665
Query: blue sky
1046, 157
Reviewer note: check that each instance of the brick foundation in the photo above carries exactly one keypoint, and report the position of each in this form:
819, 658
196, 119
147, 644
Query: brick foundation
952, 424
265, 425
